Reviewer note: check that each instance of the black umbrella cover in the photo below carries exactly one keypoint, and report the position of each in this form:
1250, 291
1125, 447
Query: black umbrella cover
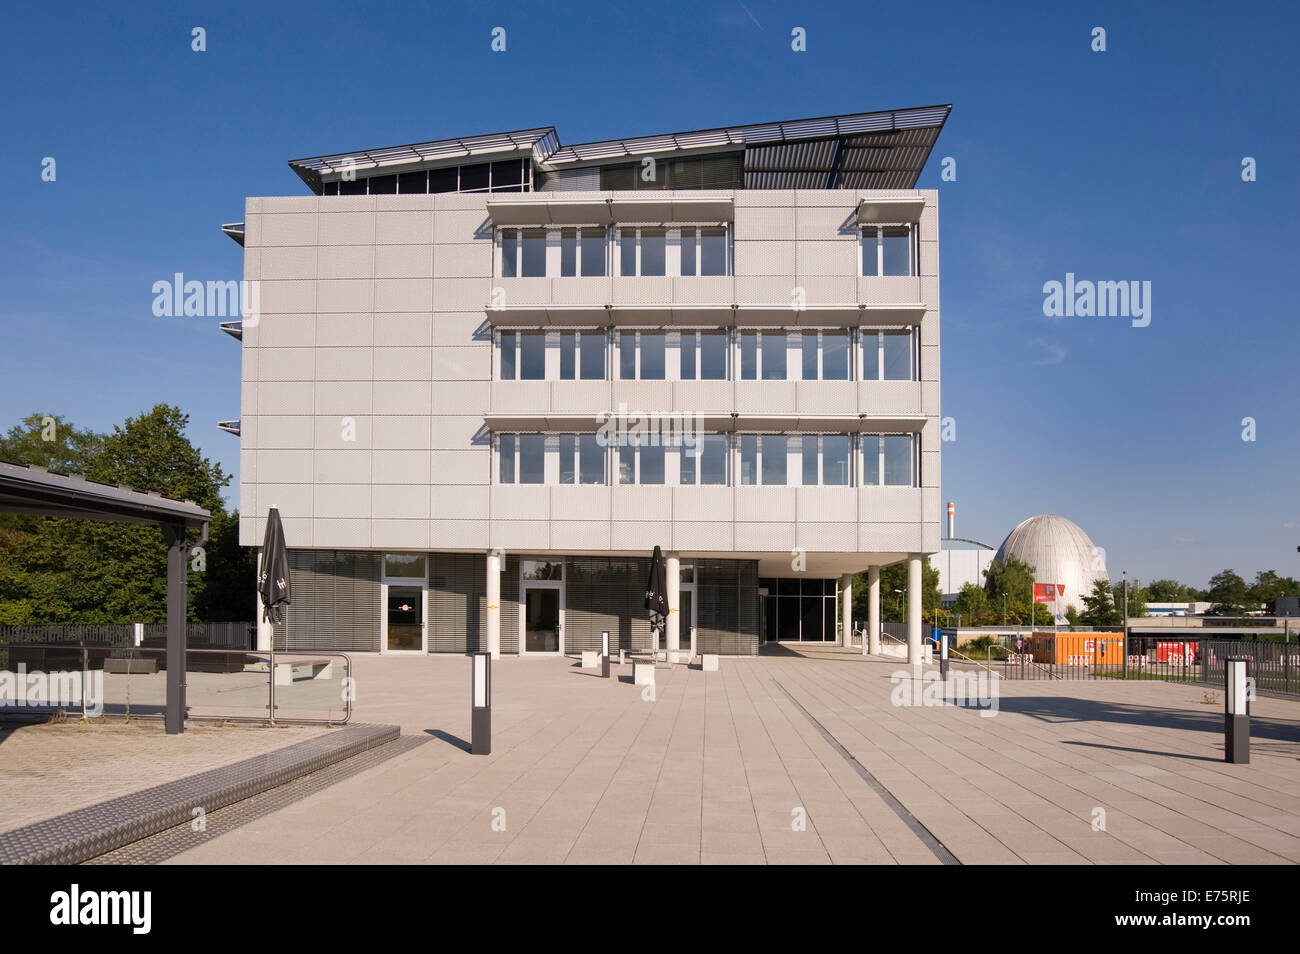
273, 579
656, 592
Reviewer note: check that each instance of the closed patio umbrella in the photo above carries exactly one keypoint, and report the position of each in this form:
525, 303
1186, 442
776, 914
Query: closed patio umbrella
273, 578
656, 596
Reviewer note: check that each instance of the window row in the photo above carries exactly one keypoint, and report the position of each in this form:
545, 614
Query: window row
861, 354
507, 175
772, 460
585, 252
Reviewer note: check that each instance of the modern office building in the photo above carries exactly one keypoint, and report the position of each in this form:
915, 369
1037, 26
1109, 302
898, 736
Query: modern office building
487, 375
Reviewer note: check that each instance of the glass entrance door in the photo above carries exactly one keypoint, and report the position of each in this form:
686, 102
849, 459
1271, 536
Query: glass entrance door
405, 619
686, 624
541, 619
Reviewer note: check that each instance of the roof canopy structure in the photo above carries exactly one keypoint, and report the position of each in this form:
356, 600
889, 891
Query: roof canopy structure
886, 149
35, 491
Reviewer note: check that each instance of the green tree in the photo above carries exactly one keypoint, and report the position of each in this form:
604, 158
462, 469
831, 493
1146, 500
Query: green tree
1137, 598
1011, 582
1099, 607
1167, 591
1228, 591
972, 605
1268, 586
894, 577
59, 570
49, 441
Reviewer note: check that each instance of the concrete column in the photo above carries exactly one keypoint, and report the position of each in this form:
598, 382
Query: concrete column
673, 630
872, 643
846, 608
494, 603
914, 609
265, 628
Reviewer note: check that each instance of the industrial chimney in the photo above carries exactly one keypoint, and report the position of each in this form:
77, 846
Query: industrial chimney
952, 511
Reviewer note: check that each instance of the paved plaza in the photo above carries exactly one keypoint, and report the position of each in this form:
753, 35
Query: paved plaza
790, 758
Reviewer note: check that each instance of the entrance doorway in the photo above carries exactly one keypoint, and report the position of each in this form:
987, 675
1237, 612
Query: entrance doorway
405, 604
542, 619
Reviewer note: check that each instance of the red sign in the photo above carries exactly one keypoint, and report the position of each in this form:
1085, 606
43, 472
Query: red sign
1048, 592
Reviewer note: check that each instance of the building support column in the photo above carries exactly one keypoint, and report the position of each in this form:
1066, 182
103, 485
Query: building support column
914, 609
493, 600
265, 628
846, 609
872, 643
174, 713
673, 631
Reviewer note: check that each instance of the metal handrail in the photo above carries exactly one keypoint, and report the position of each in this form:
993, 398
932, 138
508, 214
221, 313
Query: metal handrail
130, 652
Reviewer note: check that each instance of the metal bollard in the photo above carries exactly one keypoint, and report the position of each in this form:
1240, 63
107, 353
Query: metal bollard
604, 654
481, 702
1236, 718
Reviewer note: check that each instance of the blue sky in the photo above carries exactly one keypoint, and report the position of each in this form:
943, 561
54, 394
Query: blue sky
1122, 165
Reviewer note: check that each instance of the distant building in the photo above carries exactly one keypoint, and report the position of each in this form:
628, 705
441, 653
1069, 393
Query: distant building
1178, 609
960, 562
1060, 552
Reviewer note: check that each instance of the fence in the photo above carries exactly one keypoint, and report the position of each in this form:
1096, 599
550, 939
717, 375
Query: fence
226, 685
1274, 665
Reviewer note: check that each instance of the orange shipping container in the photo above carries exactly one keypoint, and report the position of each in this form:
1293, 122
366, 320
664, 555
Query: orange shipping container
1077, 649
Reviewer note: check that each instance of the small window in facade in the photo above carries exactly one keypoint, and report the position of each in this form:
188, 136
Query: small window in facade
641, 355
641, 464
888, 250
413, 183
888, 355
704, 251
404, 566
383, 185
889, 460
706, 462
825, 355
703, 356
582, 459
475, 178
444, 180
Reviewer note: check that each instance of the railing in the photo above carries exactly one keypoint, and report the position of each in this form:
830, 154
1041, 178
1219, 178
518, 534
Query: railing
223, 685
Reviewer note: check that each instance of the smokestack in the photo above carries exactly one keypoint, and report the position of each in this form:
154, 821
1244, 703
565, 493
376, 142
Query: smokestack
952, 512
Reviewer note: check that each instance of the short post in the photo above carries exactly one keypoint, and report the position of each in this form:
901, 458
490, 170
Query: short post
604, 654
1236, 719
943, 654
481, 701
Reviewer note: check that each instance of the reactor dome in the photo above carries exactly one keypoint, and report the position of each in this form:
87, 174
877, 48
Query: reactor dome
1060, 552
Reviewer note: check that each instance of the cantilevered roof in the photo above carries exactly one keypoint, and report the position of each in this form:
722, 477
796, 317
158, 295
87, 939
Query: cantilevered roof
886, 149
34, 490
541, 142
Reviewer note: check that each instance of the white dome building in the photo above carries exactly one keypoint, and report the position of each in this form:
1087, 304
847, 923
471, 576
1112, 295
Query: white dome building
1060, 552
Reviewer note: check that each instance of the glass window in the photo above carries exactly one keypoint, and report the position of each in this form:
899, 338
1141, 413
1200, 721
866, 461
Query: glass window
541, 569
626, 464
774, 459
870, 355
749, 458
835, 355
749, 355
835, 460
773, 345
593, 252
898, 460
509, 172
533, 263
688, 251
413, 182
896, 250
810, 460
654, 251
508, 372
532, 354
568, 451
352, 187
506, 454
652, 464
687, 349
383, 185
627, 251
871, 460
568, 253
444, 180
404, 566
474, 177
712, 451
809, 348
713, 251
591, 460
532, 458
509, 253
591, 347
713, 355
652, 355
627, 355
870, 251
898, 356
568, 354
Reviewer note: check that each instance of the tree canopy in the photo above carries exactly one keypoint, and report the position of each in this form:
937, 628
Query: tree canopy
56, 570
